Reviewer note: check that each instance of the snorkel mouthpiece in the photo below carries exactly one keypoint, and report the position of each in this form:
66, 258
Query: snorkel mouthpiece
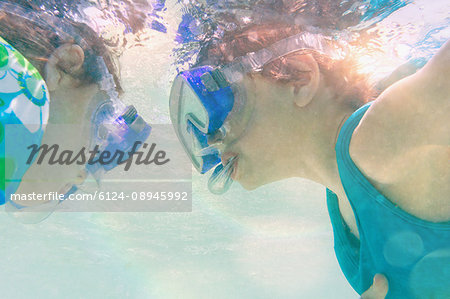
220, 181
124, 133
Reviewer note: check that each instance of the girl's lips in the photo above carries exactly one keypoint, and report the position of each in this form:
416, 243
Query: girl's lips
235, 169
226, 157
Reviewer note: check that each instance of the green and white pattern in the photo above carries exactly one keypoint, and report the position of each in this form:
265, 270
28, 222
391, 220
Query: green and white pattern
22, 89
24, 103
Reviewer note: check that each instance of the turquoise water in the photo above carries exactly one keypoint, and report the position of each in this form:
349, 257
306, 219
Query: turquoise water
269, 245
274, 242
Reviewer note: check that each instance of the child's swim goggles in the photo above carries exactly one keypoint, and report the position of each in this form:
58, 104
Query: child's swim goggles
205, 100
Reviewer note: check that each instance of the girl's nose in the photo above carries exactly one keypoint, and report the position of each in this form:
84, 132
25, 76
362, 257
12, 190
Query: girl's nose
216, 137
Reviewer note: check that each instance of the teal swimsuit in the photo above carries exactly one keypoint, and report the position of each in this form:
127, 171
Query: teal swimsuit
412, 253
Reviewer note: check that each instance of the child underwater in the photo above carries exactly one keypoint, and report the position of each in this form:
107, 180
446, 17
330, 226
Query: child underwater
272, 101
43, 57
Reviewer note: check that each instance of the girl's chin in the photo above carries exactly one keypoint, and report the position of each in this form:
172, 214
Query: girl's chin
249, 186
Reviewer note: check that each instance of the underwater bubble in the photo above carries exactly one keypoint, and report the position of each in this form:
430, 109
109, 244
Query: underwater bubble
403, 248
431, 275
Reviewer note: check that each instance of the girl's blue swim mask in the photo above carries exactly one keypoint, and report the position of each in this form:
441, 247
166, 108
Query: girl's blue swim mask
24, 103
209, 110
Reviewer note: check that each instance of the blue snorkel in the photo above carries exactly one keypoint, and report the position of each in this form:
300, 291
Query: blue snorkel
124, 134
120, 134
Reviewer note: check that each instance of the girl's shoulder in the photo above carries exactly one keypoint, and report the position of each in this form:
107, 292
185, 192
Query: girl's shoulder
402, 145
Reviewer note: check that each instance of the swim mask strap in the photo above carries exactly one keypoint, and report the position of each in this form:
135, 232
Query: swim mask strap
254, 61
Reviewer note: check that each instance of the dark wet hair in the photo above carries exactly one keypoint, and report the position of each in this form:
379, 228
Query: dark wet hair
350, 87
37, 35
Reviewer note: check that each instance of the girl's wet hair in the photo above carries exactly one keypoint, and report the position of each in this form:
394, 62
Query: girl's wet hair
37, 35
350, 87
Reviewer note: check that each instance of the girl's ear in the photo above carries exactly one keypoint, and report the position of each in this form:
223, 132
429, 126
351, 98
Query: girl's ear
305, 93
63, 65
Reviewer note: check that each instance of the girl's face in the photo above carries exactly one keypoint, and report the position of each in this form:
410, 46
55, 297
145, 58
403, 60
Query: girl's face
265, 147
69, 127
